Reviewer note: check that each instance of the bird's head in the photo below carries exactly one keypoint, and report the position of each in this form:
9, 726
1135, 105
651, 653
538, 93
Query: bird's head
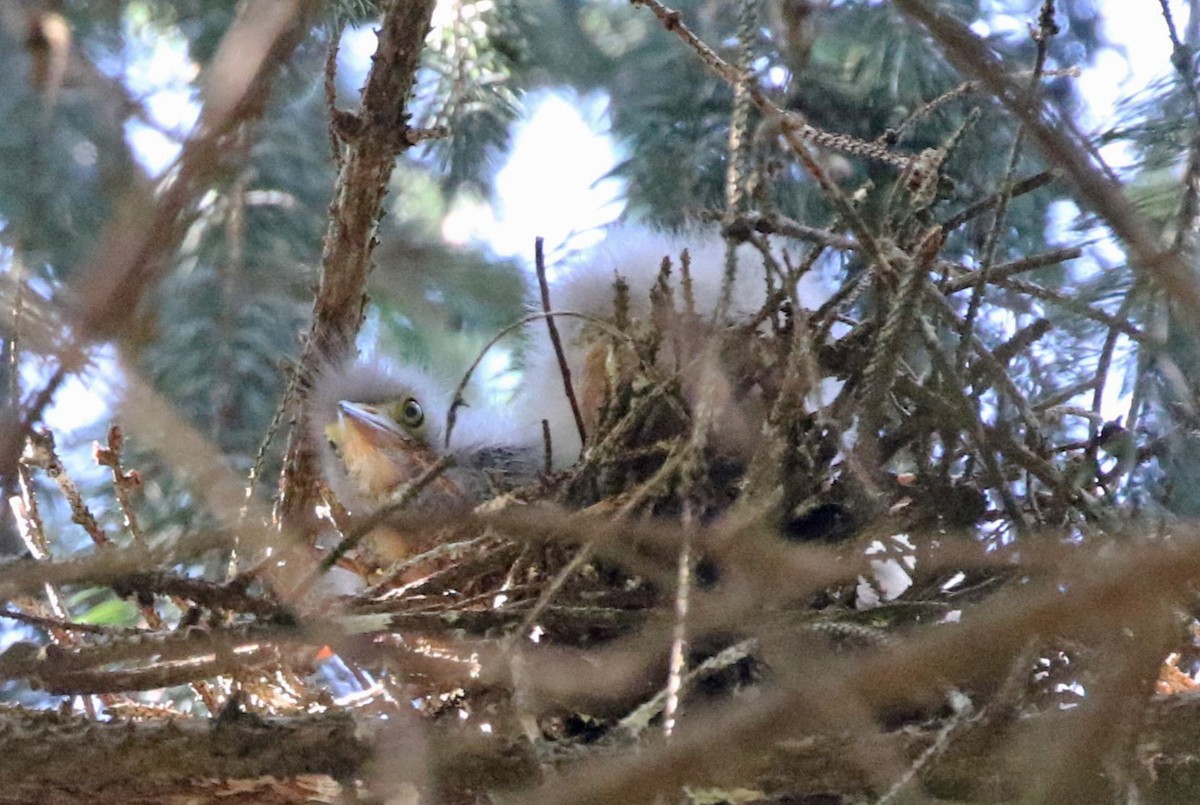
377, 427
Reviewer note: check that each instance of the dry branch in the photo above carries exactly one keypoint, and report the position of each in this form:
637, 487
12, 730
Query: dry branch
42, 755
373, 138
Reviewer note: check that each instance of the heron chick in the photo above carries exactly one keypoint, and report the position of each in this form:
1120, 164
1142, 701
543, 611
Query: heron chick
379, 427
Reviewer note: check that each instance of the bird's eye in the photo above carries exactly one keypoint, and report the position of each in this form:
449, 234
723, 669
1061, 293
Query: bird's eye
411, 413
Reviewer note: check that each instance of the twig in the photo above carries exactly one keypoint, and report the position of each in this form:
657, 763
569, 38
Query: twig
403, 497
53, 679
1046, 29
1068, 151
458, 400
1011, 269
105, 567
331, 61
229, 596
961, 707
895, 135
880, 372
1019, 188
635, 722
778, 224
43, 455
52, 624
1079, 307
124, 483
1103, 364
679, 631
1183, 60
396, 572
544, 288
737, 166
560, 578
260, 455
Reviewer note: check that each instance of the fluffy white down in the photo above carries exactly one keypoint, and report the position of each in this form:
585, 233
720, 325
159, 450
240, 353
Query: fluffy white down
586, 286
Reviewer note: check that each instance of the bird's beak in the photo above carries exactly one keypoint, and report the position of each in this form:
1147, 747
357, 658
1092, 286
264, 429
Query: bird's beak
368, 426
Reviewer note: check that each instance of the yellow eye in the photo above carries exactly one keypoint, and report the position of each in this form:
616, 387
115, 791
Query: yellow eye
412, 415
